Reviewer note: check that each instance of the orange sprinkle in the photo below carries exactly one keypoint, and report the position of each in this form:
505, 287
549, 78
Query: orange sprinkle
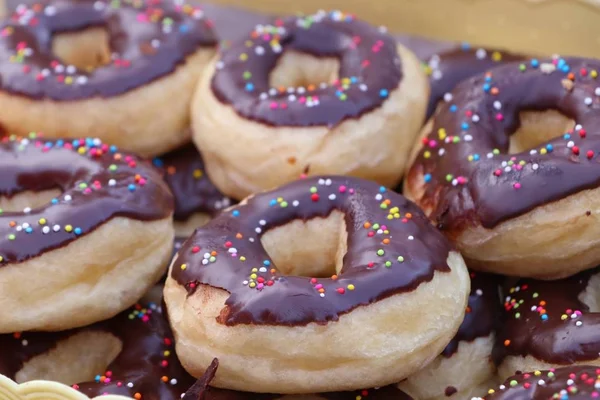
506, 342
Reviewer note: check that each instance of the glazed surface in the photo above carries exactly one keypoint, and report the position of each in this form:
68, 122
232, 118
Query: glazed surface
464, 166
391, 248
370, 69
572, 383
148, 39
184, 172
146, 366
549, 321
97, 182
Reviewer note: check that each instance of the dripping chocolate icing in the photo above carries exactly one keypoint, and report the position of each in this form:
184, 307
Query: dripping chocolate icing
96, 186
145, 335
277, 299
143, 49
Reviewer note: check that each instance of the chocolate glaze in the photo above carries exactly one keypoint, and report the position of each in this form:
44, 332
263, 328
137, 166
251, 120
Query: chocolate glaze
194, 192
547, 320
367, 57
573, 383
449, 68
275, 299
145, 335
97, 185
202, 391
483, 311
142, 51
477, 123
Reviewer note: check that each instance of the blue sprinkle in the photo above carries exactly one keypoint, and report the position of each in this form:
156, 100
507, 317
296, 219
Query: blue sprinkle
266, 263
131, 187
113, 149
54, 201
566, 136
273, 203
464, 126
465, 46
535, 63
549, 147
453, 108
235, 213
427, 178
382, 189
157, 162
383, 93
249, 87
184, 28
486, 87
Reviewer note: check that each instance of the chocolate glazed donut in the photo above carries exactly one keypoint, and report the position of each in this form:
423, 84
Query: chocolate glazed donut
573, 383
262, 273
143, 364
550, 324
326, 93
202, 391
99, 241
465, 367
145, 57
504, 198
197, 199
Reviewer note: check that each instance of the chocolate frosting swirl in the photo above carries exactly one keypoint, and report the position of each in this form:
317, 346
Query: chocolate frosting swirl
97, 182
572, 383
549, 321
392, 248
369, 71
448, 69
202, 391
194, 192
148, 355
467, 173
148, 39
483, 312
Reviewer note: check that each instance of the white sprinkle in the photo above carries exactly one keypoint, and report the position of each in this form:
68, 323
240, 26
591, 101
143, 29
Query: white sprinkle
588, 101
259, 50
448, 97
535, 167
332, 196
411, 237
26, 210
480, 54
295, 203
258, 230
497, 105
46, 230
56, 228
262, 222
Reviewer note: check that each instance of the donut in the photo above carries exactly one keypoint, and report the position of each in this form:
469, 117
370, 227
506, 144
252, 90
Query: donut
508, 168
550, 324
260, 277
465, 367
202, 391
73, 68
323, 94
130, 355
197, 200
85, 231
573, 383
448, 68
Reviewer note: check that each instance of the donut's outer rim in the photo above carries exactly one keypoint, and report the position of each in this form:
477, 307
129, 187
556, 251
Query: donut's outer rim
44, 390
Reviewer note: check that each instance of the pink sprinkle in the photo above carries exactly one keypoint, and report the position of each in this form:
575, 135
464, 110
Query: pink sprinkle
342, 189
517, 185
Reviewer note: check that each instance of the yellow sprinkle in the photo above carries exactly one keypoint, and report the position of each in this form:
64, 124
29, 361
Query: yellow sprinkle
497, 56
198, 173
42, 221
183, 267
427, 154
350, 287
68, 228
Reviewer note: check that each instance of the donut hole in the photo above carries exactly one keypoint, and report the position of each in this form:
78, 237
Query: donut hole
314, 248
22, 200
295, 69
86, 49
538, 127
78, 358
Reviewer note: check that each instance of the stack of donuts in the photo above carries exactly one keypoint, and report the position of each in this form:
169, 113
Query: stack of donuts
208, 204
